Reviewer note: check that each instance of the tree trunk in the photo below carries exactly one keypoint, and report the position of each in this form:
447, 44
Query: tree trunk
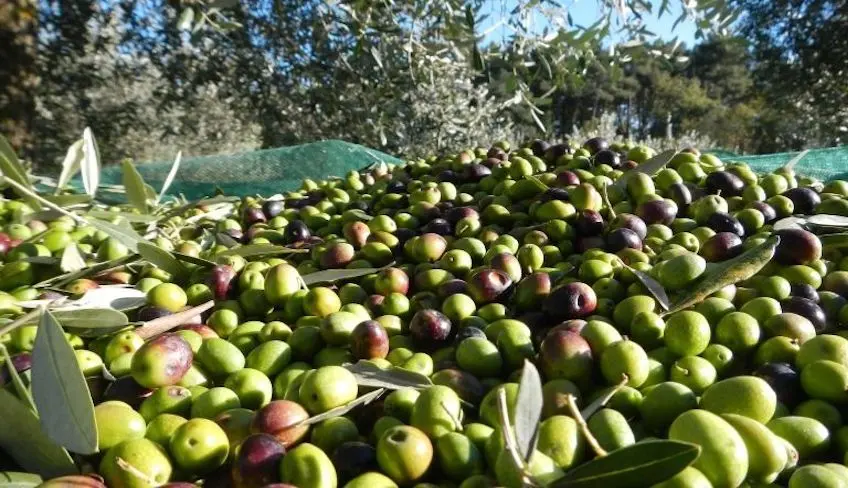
18, 74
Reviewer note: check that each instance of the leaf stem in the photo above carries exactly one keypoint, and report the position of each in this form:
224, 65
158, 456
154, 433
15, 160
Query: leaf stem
22, 320
581, 422
602, 401
509, 440
48, 203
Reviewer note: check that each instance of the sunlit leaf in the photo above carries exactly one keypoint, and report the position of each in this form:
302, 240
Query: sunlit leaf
90, 165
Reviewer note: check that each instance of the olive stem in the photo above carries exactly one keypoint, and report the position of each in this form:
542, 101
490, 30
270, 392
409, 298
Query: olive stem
129, 468
602, 401
581, 422
153, 328
509, 440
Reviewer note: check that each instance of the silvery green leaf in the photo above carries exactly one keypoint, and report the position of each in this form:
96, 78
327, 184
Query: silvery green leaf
649, 167
72, 260
134, 186
172, 173
71, 164
528, 409
90, 165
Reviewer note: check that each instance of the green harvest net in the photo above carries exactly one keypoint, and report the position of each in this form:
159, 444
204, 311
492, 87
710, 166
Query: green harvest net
272, 171
265, 172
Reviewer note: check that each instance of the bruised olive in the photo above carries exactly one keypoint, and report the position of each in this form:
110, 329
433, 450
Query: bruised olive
280, 418
475, 172
220, 281
162, 361
566, 355
369, 340
456, 214
568, 178
253, 215
296, 231
257, 462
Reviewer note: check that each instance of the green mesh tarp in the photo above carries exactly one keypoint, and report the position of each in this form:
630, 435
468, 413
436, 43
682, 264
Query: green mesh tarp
825, 164
265, 172
272, 171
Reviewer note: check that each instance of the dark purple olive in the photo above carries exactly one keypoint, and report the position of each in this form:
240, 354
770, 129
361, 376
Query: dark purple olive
784, 380
448, 175
354, 458
257, 462
808, 309
568, 178
656, 212
127, 390
623, 238
488, 285
438, 226
583, 244
467, 333
539, 147
396, 187
369, 340
497, 153
767, 210
724, 182
358, 205
253, 215
696, 191
272, 208
680, 193
452, 287
21, 361
804, 199
589, 223
804, 290
296, 231
571, 301
492, 162
456, 214
150, 312
565, 354
221, 281
608, 157
722, 246
722, 222
554, 194
236, 234
556, 151
430, 329
797, 246
374, 304
596, 145
632, 222
296, 203
475, 172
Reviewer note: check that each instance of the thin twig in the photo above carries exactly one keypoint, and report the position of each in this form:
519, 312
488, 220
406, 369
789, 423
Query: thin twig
602, 401
22, 320
129, 468
153, 328
575, 412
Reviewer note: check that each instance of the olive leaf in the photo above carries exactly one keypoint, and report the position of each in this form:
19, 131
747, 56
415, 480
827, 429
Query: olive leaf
339, 411
59, 390
23, 440
66, 278
790, 165
791, 222
68, 200
370, 375
170, 178
360, 215
602, 400
834, 241
635, 466
528, 410
538, 183
108, 297
653, 287
12, 479
11, 168
161, 258
253, 250
128, 216
134, 186
649, 167
70, 165
90, 164
194, 260
125, 235
72, 259
331, 275
729, 272
153, 328
226, 240
828, 221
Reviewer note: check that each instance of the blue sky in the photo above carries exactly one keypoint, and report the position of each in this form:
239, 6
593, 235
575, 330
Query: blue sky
587, 12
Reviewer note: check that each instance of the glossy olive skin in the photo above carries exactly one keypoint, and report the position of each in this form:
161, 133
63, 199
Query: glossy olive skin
220, 281
804, 199
724, 182
162, 361
721, 247
430, 329
656, 212
623, 238
257, 460
488, 285
807, 309
571, 301
279, 418
369, 340
565, 354
797, 246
